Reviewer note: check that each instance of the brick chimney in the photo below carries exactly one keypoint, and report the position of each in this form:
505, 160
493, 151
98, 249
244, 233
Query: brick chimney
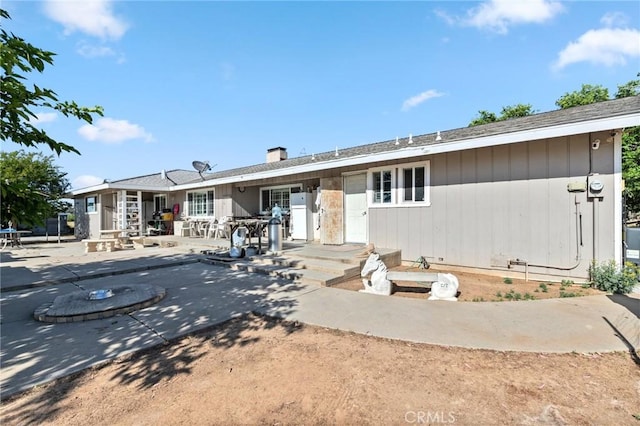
276, 154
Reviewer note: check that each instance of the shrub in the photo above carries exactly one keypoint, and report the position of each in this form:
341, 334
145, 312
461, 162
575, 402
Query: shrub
608, 277
544, 287
507, 280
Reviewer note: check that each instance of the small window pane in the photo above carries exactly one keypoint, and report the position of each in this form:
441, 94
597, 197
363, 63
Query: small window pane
210, 203
91, 204
377, 187
408, 184
386, 185
419, 183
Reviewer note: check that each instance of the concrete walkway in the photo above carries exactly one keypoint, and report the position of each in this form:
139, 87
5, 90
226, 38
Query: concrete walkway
200, 295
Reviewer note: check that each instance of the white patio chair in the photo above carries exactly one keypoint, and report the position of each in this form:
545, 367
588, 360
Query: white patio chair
210, 229
194, 229
222, 227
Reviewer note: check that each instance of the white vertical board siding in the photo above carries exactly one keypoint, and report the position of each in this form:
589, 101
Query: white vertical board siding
469, 231
538, 200
493, 204
498, 213
438, 230
518, 236
484, 203
454, 212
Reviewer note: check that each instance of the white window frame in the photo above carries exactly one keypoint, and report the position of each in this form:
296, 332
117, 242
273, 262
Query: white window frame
427, 184
210, 200
371, 186
397, 185
158, 204
270, 188
95, 204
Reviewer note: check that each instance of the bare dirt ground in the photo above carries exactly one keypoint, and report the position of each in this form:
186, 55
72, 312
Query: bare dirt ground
255, 370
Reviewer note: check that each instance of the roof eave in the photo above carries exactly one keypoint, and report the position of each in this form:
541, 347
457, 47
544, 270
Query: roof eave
116, 186
561, 130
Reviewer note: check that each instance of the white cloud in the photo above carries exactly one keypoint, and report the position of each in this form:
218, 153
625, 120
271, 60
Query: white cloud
606, 46
86, 181
91, 17
44, 117
98, 51
92, 51
615, 20
499, 15
112, 131
416, 100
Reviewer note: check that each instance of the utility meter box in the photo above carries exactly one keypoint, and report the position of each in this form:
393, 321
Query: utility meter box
577, 186
595, 186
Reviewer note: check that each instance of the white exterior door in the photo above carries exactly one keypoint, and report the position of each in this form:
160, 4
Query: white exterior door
355, 208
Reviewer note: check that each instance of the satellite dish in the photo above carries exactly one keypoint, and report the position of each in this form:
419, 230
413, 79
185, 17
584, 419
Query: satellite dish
201, 166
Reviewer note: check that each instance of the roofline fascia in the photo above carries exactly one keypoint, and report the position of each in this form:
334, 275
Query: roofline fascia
596, 125
128, 187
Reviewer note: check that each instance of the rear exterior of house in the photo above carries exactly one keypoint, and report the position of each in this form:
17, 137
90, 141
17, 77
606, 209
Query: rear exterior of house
541, 193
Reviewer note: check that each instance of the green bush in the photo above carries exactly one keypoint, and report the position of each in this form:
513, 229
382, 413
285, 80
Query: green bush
608, 277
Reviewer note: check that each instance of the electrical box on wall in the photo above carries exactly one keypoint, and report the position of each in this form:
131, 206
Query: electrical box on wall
594, 186
577, 186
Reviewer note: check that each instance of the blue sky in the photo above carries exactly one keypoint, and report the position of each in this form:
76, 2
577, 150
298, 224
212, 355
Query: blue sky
224, 81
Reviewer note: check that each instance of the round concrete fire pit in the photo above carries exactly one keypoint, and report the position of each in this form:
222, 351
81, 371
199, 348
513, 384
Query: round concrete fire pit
86, 305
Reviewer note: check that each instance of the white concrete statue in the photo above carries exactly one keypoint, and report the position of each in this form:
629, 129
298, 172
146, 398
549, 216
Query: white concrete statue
445, 288
379, 284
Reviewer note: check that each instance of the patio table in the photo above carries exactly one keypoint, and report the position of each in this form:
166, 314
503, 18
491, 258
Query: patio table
12, 236
253, 226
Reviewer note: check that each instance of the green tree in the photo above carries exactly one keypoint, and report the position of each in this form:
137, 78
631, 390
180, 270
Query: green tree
515, 111
631, 151
18, 103
30, 185
32, 188
632, 88
588, 94
508, 112
484, 117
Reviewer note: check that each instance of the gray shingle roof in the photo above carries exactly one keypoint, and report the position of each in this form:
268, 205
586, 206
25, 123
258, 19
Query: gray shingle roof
606, 109
173, 178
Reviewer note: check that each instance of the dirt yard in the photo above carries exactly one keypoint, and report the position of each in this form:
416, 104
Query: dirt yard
255, 370
484, 288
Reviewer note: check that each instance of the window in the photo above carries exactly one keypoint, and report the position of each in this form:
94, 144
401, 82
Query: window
404, 184
90, 204
382, 184
200, 203
413, 184
159, 202
277, 194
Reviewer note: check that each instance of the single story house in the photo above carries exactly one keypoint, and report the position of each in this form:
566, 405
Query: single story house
542, 192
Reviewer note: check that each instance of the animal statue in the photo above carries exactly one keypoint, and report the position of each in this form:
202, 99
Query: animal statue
379, 284
445, 288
